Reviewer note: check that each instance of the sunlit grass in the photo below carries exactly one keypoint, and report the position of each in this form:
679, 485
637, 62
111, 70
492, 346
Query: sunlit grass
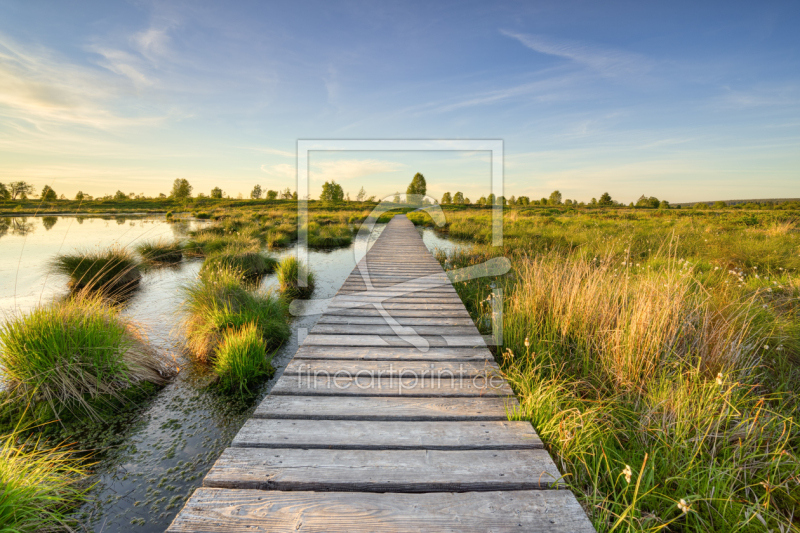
161, 251
288, 272
38, 486
218, 301
242, 359
69, 353
110, 270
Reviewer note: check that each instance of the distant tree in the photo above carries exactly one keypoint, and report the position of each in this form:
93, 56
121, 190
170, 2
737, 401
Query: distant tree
701, 205
481, 201
201, 196
446, 199
48, 194
162, 195
272, 195
80, 196
361, 195
645, 201
370, 199
20, 189
555, 198
720, 205
417, 185
256, 193
348, 196
523, 200
605, 200
490, 200
567, 202
119, 195
458, 198
294, 196
466, 201
332, 192
631, 204
396, 198
181, 189
5, 194
512, 200
543, 201
663, 205
286, 194
216, 193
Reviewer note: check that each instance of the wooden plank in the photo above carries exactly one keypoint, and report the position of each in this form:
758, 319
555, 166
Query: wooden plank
383, 470
369, 435
385, 408
395, 353
388, 340
391, 306
257, 511
465, 369
365, 384
371, 311
413, 298
405, 321
370, 329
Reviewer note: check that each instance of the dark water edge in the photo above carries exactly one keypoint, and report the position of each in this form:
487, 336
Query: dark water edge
165, 445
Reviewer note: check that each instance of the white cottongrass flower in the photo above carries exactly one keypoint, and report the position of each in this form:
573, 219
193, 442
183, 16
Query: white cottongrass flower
683, 506
719, 379
627, 473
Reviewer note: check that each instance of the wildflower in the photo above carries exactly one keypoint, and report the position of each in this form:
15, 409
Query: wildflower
719, 379
716, 268
766, 346
683, 506
527, 342
627, 473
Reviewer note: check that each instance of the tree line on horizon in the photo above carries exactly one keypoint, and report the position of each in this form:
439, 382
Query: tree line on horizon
333, 193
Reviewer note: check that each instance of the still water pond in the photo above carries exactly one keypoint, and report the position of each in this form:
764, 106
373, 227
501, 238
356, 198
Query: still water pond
163, 451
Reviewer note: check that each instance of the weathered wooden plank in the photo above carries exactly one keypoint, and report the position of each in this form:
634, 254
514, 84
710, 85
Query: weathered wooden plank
405, 321
386, 408
388, 340
391, 306
256, 511
463, 369
371, 329
365, 384
407, 298
384, 470
396, 353
369, 435
371, 311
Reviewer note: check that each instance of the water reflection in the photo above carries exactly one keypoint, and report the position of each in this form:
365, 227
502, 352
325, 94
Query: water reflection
49, 222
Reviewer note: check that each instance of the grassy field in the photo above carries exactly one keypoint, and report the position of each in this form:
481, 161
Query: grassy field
656, 354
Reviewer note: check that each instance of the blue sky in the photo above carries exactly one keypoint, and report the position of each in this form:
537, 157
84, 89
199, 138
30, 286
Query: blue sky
684, 101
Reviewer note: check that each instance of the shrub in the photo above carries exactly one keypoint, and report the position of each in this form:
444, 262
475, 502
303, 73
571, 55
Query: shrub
218, 301
288, 271
38, 487
242, 359
114, 269
202, 215
161, 251
66, 353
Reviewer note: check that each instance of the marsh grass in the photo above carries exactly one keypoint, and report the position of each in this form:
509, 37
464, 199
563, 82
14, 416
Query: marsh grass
113, 270
161, 251
38, 486
219, 301
248, 262
242, 359
329, 236
647, 383
288, 272
72, 353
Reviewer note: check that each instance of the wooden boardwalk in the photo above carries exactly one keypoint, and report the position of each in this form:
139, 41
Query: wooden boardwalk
368, 431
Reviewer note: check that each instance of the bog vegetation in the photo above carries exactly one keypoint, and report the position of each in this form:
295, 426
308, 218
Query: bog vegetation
656, 354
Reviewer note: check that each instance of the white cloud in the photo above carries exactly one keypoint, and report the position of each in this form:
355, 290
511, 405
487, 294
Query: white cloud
280, 171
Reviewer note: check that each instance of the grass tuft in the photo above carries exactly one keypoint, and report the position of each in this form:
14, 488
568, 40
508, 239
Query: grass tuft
38, 487
242, 359
329, 236
161, 251
249, 262
288, 271
112, 270
218, 301
67, 354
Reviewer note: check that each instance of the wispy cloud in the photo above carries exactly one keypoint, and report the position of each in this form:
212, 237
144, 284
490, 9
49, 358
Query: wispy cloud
280, 171
609, 62
345, 169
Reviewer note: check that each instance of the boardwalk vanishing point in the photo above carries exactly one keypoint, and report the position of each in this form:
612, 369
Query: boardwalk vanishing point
366, 431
